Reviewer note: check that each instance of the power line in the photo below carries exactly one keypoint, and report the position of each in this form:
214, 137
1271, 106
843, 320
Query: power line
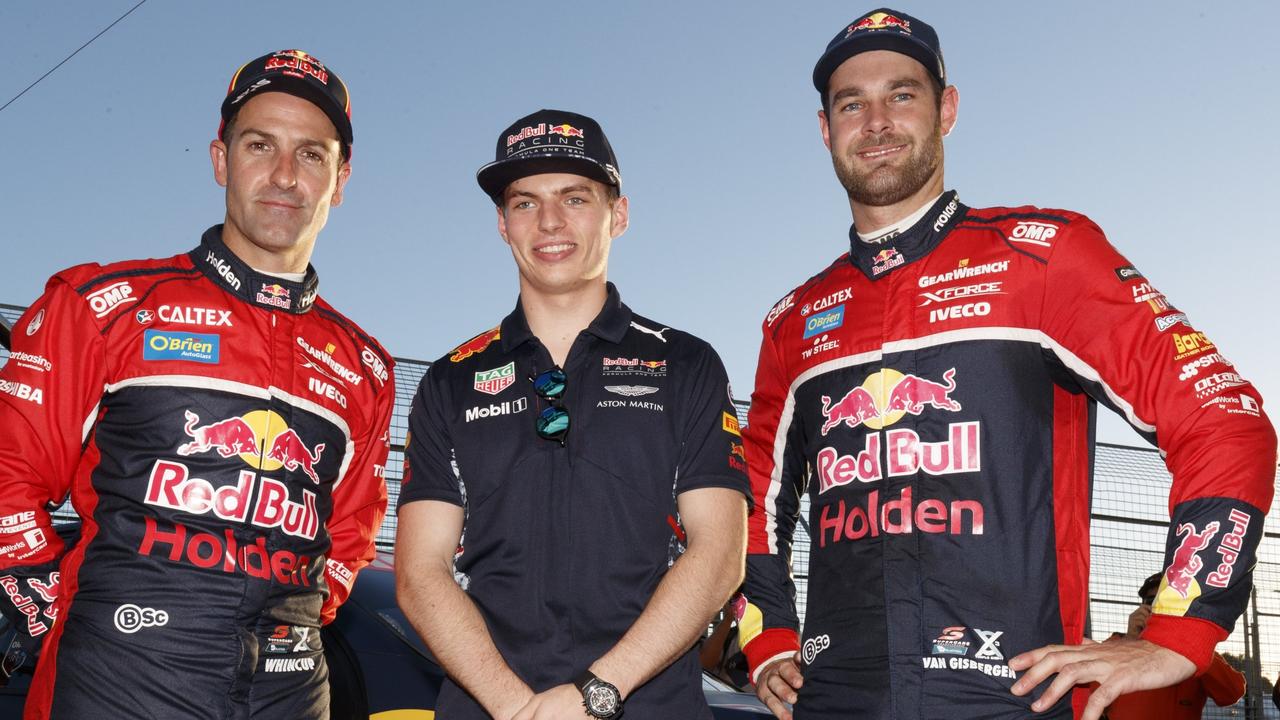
64, 60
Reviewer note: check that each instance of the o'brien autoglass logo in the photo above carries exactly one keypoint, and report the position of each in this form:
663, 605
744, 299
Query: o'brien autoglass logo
191, 347
883, 399
823, 322
492, 382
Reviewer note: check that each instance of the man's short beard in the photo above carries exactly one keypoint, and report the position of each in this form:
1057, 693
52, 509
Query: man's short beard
883, 186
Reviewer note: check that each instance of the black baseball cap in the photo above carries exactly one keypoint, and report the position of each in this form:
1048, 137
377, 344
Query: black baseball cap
882, 29
299, 74
550, 141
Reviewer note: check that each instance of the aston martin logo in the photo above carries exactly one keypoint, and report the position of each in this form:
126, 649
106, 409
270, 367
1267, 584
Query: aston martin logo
631, 390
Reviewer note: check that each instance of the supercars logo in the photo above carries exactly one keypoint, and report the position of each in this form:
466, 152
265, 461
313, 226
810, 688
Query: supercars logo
475, 345
261, 438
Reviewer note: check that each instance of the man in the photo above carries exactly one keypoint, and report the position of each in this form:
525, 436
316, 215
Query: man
221, 431
934, 390
573, 511
1185, 700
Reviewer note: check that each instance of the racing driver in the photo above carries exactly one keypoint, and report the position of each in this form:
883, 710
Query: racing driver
934, 390
221, 431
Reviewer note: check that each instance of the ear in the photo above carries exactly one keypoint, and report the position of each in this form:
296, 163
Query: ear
502, 224
621, 217
344, 174
950, 108
218, 156
825, 128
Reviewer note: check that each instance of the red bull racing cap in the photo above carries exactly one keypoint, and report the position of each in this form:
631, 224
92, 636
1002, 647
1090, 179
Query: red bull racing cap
882, 29
299, 74
550, 141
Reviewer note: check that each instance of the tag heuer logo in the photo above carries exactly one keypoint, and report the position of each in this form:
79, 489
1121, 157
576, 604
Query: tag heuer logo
492, 382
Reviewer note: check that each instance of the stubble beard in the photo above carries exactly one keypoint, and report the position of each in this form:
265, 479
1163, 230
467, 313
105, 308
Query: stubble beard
884, 185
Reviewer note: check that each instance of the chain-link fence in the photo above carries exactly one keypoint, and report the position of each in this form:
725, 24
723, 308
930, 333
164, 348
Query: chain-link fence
1129, 526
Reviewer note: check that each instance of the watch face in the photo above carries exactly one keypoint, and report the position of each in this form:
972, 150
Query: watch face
602, 700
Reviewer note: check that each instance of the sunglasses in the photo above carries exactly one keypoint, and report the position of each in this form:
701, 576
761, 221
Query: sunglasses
553, 422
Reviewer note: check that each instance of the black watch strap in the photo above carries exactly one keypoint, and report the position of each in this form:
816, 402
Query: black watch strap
600, 698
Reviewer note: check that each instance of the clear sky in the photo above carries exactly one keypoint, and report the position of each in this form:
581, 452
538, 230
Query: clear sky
1157, 119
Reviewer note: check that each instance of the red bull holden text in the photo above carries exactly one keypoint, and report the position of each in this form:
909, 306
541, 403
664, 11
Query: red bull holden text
171, 486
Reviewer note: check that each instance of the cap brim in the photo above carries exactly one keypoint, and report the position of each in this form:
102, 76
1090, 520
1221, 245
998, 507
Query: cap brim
896, 42
279, 82
496, 176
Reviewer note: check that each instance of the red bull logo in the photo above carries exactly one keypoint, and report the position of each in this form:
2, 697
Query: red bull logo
886, 260
886, 396
298, 63
261, 438
289, 450
275, 295
566, 130
879, 21
1230, 547
172, 486
1181, 575
475, 345
737, 457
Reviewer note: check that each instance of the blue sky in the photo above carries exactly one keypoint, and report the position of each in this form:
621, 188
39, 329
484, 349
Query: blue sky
1155, 118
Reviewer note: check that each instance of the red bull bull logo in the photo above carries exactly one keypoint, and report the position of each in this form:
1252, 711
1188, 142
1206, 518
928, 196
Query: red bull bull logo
475, 345
261, 438
275, 295
884, 398
1181, 575
566, 130
886, 260
289, 450
879, 21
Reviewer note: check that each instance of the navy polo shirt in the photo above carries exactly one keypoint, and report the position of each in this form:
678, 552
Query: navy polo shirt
564, 545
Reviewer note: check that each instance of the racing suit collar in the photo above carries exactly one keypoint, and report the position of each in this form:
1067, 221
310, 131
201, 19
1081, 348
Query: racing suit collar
610, 325
877, 260
232, 274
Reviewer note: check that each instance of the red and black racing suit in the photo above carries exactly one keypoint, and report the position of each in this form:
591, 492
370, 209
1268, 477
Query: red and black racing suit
222, 435
935, 395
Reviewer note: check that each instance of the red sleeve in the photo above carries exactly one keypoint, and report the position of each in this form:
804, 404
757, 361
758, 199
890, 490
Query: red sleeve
1132, 350
768, 622
49, 394
359, 501
1222, 682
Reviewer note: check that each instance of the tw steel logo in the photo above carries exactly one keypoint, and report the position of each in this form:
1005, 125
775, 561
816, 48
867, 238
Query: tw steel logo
247, 436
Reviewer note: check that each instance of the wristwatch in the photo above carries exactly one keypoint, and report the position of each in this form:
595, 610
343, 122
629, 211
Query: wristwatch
601, 699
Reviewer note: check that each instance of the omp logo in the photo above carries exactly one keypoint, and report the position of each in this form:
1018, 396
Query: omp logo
131, 618
112, 296
1035, 233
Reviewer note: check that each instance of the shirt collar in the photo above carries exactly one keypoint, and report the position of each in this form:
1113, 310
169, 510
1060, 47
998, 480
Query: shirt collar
232, 274
610, 325
876, 260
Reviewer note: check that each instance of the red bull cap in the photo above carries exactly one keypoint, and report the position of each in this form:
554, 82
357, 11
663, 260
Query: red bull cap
296, 73
550, 141
882, 29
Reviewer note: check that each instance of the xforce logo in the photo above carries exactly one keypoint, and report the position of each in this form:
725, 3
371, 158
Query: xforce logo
951, 294
130, 618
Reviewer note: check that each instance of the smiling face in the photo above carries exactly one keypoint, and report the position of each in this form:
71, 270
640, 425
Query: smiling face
560, 228
282, 167
884, 129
